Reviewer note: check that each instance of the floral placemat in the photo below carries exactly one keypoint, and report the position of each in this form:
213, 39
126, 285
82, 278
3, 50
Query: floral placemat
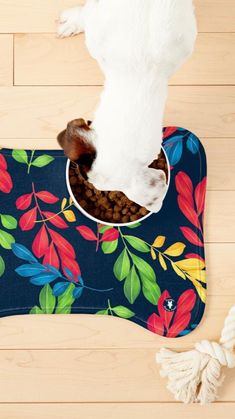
55, 260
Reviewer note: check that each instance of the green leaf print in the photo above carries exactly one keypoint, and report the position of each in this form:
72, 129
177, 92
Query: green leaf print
123, 312
134, 225
6, 240
20, 156
47, 300
65, 301
2, 266
109, 247
151, 291
42, 161
137, 244
122, 266
132, 286
8, 221
36, 310
145, 270
103, 312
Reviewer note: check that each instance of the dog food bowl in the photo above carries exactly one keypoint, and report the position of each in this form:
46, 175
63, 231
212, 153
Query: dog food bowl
119, 209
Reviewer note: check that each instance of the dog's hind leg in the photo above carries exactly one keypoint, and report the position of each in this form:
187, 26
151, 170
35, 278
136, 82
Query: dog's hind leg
71, 22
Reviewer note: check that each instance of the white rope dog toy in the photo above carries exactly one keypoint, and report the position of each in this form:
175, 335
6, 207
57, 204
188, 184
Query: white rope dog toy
195, 376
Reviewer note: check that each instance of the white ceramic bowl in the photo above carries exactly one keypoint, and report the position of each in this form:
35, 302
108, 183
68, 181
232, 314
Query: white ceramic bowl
105, 222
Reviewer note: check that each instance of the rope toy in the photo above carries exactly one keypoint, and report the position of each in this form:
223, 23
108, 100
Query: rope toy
194, 376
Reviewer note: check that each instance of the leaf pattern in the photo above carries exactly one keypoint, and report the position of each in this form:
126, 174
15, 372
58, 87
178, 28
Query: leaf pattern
150, 272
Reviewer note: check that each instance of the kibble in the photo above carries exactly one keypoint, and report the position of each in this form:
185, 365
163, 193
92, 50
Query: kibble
113, 207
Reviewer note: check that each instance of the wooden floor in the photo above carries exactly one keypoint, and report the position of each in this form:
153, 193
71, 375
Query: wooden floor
82, 366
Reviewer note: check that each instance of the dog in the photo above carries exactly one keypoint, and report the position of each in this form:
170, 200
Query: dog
139, 45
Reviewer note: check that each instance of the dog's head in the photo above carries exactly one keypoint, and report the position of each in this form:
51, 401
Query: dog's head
77, 143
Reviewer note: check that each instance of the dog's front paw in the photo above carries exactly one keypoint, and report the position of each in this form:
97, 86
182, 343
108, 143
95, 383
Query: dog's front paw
148, 189
70, 22
155, 191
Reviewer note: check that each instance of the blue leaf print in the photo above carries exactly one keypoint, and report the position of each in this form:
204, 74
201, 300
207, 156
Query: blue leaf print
80, 280
174, 152
54, 270
69, 273
43, 278
23, 253
60, 288
173, 140
30, 270
193, 144
77, 292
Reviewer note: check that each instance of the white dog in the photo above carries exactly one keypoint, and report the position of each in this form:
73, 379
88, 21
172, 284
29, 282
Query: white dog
139, 44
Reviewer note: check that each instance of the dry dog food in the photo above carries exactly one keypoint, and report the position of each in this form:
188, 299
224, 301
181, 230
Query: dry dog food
111, 207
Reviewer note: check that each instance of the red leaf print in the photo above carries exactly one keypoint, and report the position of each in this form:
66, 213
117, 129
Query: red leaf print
51, 257
71, 265
185, 304
47, 197
194, 256
40, 243
110, 235
24, 201
55, 219
166, 316
188, 211
5, 181
155, 324
62, 244
184, 187
178, 326
200, 195
169, 131
3, 163
191, 236
87, 233
27, 220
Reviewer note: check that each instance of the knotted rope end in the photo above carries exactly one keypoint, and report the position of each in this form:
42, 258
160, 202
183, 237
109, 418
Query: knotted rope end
194, 376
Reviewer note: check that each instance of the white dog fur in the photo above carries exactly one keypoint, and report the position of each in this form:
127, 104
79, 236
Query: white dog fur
139, 44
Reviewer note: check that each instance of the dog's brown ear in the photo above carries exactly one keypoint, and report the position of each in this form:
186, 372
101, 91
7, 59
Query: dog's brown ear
76, 142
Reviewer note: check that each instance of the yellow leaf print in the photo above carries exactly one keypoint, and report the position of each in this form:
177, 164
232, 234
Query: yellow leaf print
153, 254
175, 250
159, 241
198, 275
70, 216
201, 291
177, 270
191, 264
162, 262
63, 204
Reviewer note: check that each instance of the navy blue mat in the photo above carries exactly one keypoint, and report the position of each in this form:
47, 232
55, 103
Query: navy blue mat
55, 260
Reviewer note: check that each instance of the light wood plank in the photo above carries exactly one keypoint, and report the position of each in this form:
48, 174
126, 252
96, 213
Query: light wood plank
212, 62
215, 15
42, 59
220, 216
6, 61
96, 332
32, 16
50, 109
221, 168
110, 375
220, 154
116, 411
207, 111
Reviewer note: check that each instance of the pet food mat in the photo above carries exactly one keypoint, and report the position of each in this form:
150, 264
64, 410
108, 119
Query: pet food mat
56, 260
